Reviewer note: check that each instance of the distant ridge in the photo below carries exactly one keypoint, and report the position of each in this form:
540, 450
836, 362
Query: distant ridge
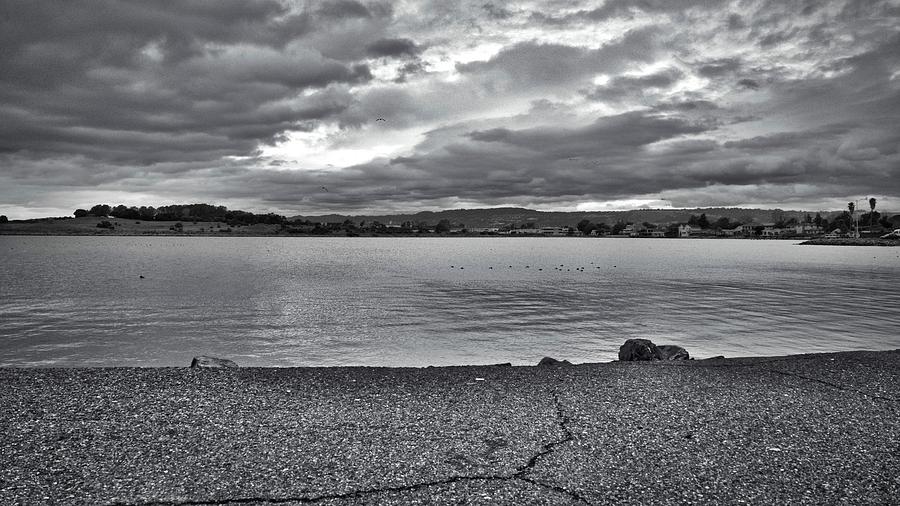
483, 218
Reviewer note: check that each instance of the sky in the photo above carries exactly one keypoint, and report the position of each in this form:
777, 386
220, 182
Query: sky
361, 107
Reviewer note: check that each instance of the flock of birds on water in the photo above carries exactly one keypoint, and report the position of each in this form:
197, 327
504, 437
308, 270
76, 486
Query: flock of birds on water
560, 267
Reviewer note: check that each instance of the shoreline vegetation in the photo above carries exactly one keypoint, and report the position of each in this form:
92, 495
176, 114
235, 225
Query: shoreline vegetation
95, 226
830, 228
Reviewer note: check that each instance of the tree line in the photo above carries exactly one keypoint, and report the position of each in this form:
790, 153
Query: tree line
211, 213
181, 212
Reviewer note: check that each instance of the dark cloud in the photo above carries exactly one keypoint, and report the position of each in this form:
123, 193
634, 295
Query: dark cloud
393, 47
625, 86
606, 135
341, 9
162, 100
531, 64
496, 12
750, 84
736, 22
720, 67
410, 69
627, 9
148, 82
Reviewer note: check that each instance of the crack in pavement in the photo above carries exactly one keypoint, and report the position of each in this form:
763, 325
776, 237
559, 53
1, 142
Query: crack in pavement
562, 421
833, 385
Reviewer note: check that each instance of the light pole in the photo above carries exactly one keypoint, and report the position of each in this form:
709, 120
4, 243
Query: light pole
852, 214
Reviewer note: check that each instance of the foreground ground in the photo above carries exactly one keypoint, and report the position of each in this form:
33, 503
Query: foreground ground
804, 429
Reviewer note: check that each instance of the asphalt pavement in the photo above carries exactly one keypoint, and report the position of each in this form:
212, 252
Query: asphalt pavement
814, 429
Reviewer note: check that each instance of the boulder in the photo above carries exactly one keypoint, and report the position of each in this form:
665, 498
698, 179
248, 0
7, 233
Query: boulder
638, 350
203, 362
550, 361
672, 352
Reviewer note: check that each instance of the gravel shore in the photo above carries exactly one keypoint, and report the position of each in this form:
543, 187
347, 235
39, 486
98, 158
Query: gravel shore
780, 430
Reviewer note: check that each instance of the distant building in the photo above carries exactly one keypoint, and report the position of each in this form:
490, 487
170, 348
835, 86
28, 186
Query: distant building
684, 230
748, 229
808, 229
554, 231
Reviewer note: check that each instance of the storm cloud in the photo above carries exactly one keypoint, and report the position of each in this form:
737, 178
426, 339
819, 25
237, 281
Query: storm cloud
259, 103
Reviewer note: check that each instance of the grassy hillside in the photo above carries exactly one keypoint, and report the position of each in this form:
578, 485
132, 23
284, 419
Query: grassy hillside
88, 226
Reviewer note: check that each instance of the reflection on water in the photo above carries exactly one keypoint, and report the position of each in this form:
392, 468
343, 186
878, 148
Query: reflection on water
70, 301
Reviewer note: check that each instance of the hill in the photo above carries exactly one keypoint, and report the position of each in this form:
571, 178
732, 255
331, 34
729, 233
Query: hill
482, 218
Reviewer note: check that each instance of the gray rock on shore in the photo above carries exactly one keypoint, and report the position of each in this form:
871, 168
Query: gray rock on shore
672, 352
643, 350
635, 350
550, 361
204, 362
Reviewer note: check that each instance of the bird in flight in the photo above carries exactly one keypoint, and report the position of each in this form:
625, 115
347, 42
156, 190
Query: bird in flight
380, 119
326, 189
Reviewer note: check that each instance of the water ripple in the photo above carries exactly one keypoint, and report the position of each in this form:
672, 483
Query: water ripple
320, 301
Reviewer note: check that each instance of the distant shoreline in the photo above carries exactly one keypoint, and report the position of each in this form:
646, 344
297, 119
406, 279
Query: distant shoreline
386, 236
863, 241
113, 227
718, 360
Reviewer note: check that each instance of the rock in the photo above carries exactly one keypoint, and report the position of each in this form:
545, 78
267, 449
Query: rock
672, 352
638, 350
204, 362
550, 361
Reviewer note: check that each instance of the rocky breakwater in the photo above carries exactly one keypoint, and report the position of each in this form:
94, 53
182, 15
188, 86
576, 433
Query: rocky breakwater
637, 350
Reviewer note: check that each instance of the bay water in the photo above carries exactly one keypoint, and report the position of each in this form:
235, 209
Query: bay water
310, 301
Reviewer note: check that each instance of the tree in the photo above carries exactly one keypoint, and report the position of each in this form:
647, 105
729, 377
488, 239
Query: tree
818, 220
585, 227
81, 213
618, 227
3, 218
852, 207
872, 202
844, 222
147, 213
442, 227
703, 221
100, 210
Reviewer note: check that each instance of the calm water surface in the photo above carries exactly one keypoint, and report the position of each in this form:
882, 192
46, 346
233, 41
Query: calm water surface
79, 301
